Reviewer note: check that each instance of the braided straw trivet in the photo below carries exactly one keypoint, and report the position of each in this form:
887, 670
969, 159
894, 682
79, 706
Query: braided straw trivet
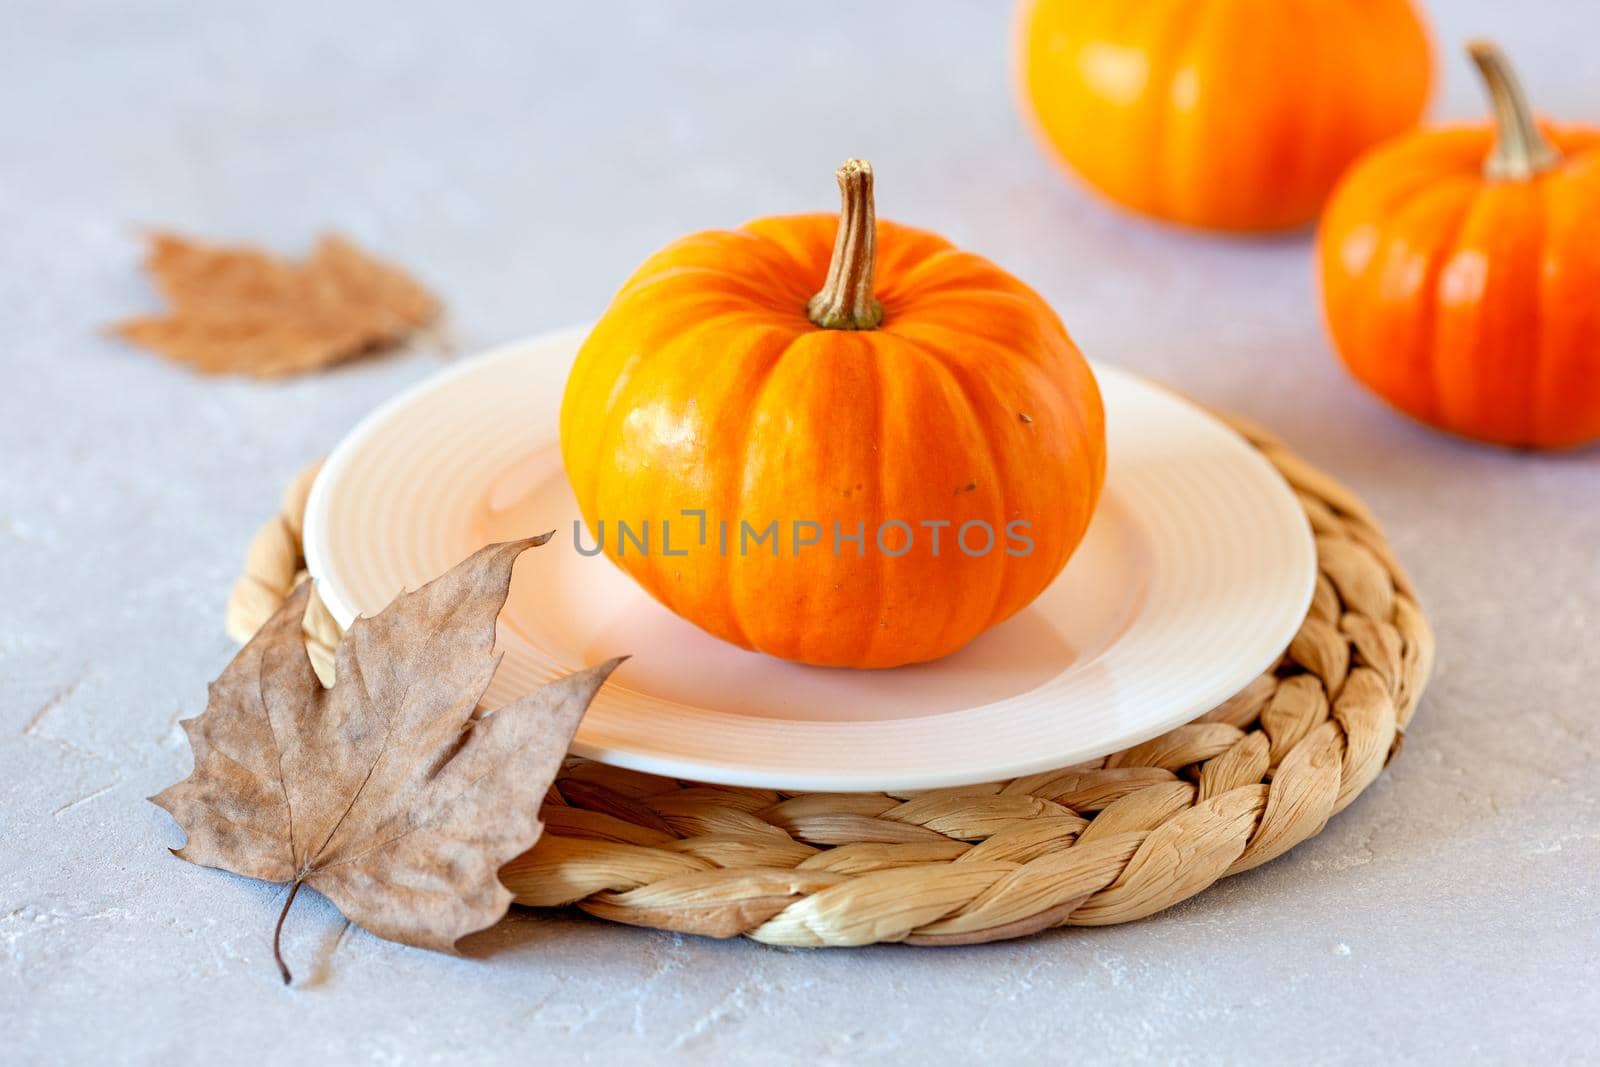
1102, 842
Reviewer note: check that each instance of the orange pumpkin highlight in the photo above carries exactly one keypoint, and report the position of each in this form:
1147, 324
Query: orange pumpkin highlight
1232, 115
1460, 271
834, 369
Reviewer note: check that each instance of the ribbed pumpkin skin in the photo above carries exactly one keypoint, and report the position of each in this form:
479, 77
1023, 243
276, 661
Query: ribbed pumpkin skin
1234, 115
1472, 305
705, 386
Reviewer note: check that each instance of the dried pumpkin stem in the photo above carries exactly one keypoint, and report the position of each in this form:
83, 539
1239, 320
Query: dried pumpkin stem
1520, 148
846, 301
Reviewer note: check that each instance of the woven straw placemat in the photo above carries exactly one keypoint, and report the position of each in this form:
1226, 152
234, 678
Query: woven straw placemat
1102, 842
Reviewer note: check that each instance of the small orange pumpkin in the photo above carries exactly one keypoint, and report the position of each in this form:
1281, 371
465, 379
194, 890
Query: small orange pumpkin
877, 406
1461, 274
1231, 114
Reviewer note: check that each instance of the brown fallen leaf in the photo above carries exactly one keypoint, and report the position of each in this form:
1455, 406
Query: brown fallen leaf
241, 310
387, 793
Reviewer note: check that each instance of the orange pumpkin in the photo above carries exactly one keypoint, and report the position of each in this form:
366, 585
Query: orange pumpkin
876, 406
1461, 274
1229, 114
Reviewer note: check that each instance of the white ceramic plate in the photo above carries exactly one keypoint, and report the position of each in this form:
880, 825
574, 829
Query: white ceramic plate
1194, 575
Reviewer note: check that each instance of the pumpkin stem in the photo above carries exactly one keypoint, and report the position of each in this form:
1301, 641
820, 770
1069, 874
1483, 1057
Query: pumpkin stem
846, 301
1520, 151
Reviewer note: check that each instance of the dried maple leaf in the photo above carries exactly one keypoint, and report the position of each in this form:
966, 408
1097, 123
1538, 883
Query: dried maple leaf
387, 793
242, 310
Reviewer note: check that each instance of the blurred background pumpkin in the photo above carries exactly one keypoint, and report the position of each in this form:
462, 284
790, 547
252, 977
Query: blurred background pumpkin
1233, 115
1461, 273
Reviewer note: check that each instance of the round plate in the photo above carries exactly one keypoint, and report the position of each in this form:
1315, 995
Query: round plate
1195, 573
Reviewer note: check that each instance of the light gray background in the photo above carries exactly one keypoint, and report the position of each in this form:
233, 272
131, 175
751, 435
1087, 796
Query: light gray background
523, 160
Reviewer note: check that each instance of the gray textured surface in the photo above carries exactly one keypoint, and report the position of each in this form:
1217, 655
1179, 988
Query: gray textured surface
524, 161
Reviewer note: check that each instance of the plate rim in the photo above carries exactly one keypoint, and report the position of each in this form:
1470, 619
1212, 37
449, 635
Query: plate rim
731, 772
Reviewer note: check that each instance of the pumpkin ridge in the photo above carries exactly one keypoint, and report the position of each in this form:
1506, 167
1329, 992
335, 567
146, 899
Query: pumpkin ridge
577, 450
1426, 187
1439, 256
618, 405
753, 393
984, 314
1042, 353
1188, 34
1446, 410
1574, 349
1536, 280
1318, 105
957, 377
728, 285
1032, 354
748, 402
1123, 26
909, 287
788, 272
902, 252
1151, 128
747, 253
880, 586
902, 289
1075, 402
790, 237
1420, 167
609, 407
1344, 21
767, 345
1071, 400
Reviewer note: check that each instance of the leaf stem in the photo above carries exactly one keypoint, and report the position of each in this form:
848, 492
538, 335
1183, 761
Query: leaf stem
277, 933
